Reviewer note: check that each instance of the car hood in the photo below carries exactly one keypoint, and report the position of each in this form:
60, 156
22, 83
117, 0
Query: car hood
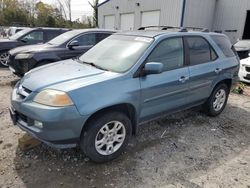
245, 61
242, 45
30, 49
58, 75
7, 43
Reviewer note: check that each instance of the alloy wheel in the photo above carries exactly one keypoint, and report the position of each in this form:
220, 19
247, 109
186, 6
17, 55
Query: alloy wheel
4, 58
110, 138
220, 99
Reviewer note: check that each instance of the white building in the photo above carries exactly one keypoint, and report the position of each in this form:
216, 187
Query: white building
231, 17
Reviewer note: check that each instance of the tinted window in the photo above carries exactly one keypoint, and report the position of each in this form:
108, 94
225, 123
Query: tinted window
200, 51
101, 36
86, 39
34, 36
225, 45
52, 34
170, 53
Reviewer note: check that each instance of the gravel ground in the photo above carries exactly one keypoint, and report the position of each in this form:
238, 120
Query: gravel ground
187, 149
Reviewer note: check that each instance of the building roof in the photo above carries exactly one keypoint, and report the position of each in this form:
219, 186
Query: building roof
102, 3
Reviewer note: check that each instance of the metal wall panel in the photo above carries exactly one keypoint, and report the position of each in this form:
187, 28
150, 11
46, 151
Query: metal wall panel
170, 11
231, 15
199, 13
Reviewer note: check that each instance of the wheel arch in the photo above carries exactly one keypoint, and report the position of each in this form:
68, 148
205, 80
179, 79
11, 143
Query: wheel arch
125, 108
226, 81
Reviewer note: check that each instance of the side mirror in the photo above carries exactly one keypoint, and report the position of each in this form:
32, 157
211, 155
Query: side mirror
153, 68
73, 44
249, 54
24, 40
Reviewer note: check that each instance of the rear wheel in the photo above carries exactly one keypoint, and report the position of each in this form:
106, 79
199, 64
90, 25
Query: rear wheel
106, 136
4, 58
217, 100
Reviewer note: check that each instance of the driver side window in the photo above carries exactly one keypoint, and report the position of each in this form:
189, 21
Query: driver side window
36, 36
87, 39
170, 53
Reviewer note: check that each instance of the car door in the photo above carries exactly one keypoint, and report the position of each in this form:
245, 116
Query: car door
85, 42
204, 68
34, 37
167, 91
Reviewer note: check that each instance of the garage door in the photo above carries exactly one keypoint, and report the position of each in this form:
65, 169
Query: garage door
150, 18
109, 22
127, 21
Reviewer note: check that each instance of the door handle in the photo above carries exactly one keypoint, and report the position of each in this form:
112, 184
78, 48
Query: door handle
183, 79
218, 70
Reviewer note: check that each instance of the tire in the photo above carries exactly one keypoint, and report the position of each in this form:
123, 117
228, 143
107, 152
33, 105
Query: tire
97, 131
4, 58
213, 108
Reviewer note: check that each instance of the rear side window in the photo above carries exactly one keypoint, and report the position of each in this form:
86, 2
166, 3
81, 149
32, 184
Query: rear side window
170, 53
200, 51
225, 45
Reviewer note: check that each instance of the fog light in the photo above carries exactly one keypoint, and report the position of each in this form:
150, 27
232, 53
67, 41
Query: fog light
38, 124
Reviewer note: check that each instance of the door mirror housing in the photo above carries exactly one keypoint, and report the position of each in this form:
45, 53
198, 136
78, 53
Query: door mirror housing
153, 68
24, 40
73, 44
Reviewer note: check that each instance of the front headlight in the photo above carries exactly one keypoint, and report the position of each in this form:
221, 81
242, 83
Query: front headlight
54, 98
242, 66
24, 56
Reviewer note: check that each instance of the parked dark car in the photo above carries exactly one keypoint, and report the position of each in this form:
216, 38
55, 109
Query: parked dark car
26, 37
68, 45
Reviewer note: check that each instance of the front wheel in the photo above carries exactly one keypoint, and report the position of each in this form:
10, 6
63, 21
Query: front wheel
217, 100
106, 136
4, 58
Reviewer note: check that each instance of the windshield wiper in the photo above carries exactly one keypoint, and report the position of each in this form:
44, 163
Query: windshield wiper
91, 64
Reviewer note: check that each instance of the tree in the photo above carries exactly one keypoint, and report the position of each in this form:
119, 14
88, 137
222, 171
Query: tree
65, 6
94, 5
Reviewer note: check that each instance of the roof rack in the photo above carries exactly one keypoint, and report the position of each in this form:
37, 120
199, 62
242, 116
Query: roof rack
181, 29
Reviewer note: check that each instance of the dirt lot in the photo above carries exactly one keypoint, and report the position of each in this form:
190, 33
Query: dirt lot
194, 151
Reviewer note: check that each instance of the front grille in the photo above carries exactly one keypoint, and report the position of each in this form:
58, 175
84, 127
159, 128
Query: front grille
23, 92
247, 78
22, 117
248, 69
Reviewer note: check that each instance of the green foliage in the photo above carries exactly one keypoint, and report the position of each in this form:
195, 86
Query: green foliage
239, 89
28, 12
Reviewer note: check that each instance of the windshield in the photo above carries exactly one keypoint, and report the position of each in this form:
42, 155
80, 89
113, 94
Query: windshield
19, 34
64, 37
117, 53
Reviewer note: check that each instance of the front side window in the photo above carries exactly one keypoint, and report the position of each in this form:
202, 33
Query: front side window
200, 51
117, 53
86, 39
170, 53
34, 36
101, 36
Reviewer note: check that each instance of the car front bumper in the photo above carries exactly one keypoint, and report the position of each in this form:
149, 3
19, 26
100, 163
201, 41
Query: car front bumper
58, 127
244, 75
20, 66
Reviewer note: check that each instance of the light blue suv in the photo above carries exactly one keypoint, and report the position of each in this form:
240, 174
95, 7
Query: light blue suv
98, 100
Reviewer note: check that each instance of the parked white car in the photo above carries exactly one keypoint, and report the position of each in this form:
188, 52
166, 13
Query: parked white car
244, 73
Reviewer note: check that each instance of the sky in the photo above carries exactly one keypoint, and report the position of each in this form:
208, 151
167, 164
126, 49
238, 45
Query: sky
79, 7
